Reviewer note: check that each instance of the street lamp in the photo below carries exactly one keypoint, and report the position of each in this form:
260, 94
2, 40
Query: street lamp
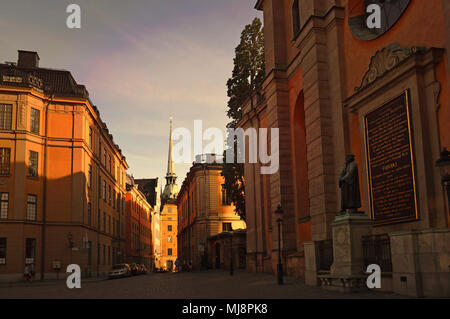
444, 166
279, 213
69, 238
231, 253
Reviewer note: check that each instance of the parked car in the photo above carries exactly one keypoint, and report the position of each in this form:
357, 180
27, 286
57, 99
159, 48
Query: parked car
119, 271
134, 269
142, 269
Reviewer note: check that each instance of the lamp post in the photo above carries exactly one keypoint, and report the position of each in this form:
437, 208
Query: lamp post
231, 253
279, 213
444, 166
69, 238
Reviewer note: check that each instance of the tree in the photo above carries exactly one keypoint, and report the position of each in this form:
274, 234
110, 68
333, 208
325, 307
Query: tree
249, 69
247, 77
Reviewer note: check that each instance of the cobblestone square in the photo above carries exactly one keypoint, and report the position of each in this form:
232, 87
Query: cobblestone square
194, 285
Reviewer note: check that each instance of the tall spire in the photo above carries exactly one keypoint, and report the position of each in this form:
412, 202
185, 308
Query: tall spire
170, 166
171, 189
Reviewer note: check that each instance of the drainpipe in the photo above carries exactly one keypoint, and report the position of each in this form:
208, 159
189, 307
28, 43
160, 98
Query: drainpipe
44, 193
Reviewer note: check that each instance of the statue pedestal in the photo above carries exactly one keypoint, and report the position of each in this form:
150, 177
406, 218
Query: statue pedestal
348, 269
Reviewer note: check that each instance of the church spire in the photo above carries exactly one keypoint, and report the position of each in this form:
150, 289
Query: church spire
170, 165
171, 189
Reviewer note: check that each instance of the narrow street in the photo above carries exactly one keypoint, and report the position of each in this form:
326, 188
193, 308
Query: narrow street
195, 285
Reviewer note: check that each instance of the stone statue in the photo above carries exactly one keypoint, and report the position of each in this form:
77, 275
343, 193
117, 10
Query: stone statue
349, 185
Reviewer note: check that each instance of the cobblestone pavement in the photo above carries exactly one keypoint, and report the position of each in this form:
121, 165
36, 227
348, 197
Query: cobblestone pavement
195, 285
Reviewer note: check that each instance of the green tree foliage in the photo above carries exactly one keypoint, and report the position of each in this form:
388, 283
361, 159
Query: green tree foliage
249, 69
247, 77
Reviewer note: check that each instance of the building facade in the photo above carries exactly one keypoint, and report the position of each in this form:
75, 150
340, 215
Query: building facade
138, 229
204, 210
329, 81
151, 188
168, 231
62, 179
168, 222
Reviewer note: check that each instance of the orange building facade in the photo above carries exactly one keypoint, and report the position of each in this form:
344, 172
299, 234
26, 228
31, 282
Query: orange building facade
314, 61
62, 179
204, 211
168, 224
138, 229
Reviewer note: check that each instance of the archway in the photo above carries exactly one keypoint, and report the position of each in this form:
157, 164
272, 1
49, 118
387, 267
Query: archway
217, 256
301, 180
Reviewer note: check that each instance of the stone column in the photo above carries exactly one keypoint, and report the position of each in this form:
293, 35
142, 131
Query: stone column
348, 230
311, 263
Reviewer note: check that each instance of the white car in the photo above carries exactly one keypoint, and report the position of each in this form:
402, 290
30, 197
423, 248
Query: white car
119, 271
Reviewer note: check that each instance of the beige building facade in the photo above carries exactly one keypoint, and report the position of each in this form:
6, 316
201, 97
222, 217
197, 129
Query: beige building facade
204, 210
62, 179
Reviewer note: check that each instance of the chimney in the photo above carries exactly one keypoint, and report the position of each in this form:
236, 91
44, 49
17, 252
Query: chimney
28, 59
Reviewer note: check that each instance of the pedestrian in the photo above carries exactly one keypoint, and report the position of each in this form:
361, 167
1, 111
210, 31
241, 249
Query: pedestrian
32, 272
26, 273
190, 265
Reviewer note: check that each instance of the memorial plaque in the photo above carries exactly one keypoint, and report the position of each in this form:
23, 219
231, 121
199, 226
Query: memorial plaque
390, 162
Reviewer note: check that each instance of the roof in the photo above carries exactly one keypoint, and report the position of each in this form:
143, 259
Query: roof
149, 187
50, 81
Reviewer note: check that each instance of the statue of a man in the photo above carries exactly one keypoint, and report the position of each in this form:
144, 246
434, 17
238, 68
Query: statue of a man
349, 185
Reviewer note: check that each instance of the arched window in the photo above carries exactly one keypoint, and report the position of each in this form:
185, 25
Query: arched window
296, 17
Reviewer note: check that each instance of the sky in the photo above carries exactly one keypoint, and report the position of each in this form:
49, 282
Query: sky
142, 62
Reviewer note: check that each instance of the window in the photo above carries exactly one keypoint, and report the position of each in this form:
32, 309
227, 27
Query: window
104, 190
98, 254
2, 251
99, 148
295, 18
109, 224
4, 205
35, 121
90, 137
31, 207
169, 239
33, 164
89, 253
30, 249
104, 157
99, 187
109, 255
90, 176
114, 198
169, 252
225, 198
5, 117
110, 164
89, 214
5, 155
104, 221
109, 194
169, 227
104, 255
227, 227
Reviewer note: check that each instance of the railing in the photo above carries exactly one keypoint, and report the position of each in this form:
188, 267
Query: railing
377, 250
325, 254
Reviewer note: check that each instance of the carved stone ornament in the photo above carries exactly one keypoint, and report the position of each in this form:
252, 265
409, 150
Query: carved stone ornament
385, 60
